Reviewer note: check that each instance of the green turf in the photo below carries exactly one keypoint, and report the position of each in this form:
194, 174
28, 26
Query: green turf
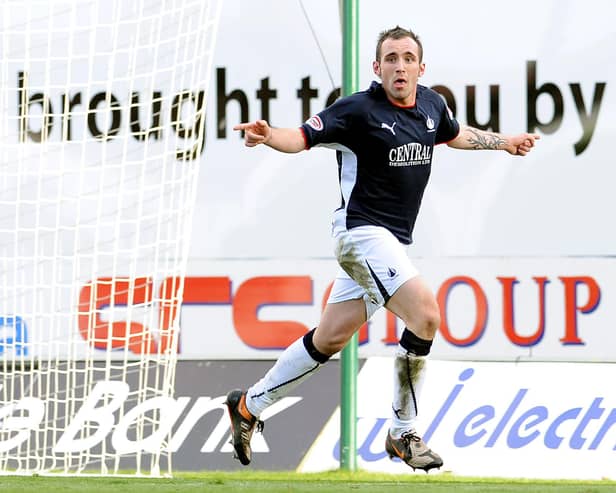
266, 482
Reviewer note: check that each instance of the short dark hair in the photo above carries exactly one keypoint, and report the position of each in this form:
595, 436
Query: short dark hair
397, 33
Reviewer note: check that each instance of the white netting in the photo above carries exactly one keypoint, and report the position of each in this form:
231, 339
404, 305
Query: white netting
102, 130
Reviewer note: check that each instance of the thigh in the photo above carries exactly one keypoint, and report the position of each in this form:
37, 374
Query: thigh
338, 323
415, 303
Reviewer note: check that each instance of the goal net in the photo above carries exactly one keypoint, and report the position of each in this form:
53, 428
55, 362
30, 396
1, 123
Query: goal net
102, 132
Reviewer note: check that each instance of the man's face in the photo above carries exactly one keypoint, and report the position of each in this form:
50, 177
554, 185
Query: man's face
399, 69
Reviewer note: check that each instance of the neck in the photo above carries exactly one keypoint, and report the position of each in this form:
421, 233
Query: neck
407, 102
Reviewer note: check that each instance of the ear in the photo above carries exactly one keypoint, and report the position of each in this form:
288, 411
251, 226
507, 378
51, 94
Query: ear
376, 67
422, 69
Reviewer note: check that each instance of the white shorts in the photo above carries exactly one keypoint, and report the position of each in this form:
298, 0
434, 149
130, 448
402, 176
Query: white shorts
373, 265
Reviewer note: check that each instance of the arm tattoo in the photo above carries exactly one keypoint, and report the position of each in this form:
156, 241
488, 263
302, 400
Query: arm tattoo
484, 140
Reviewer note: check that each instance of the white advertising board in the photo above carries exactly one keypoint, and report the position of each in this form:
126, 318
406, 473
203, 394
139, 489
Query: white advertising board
547, 68
534, 309
525, 420
491, 309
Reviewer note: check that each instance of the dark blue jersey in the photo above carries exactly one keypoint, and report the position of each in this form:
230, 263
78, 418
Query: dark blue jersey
384, 154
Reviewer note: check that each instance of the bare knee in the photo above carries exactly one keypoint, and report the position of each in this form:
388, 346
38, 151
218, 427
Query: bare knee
431, 321
338, 323
416, 305
329, 341
425, 320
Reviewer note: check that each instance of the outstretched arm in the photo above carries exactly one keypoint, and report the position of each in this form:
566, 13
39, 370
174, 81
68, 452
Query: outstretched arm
473, 138
281, 139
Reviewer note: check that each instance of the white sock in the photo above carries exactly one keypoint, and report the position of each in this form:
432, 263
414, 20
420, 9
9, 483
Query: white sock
409, 373
293, 367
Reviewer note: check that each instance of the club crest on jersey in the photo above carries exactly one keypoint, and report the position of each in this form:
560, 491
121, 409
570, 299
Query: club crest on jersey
430, 124
315, 122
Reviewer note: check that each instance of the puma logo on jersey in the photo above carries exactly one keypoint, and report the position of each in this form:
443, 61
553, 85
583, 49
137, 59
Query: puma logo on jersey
390, 128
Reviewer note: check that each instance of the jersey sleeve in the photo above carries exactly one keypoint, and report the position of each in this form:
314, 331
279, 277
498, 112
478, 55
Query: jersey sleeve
329, 126
448, 128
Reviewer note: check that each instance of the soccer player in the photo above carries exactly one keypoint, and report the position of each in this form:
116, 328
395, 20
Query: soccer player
384, 138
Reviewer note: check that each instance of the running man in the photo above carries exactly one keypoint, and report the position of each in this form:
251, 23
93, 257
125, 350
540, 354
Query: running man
384, 139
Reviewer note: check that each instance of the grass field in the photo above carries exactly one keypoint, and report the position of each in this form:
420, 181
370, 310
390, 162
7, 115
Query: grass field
267, 482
